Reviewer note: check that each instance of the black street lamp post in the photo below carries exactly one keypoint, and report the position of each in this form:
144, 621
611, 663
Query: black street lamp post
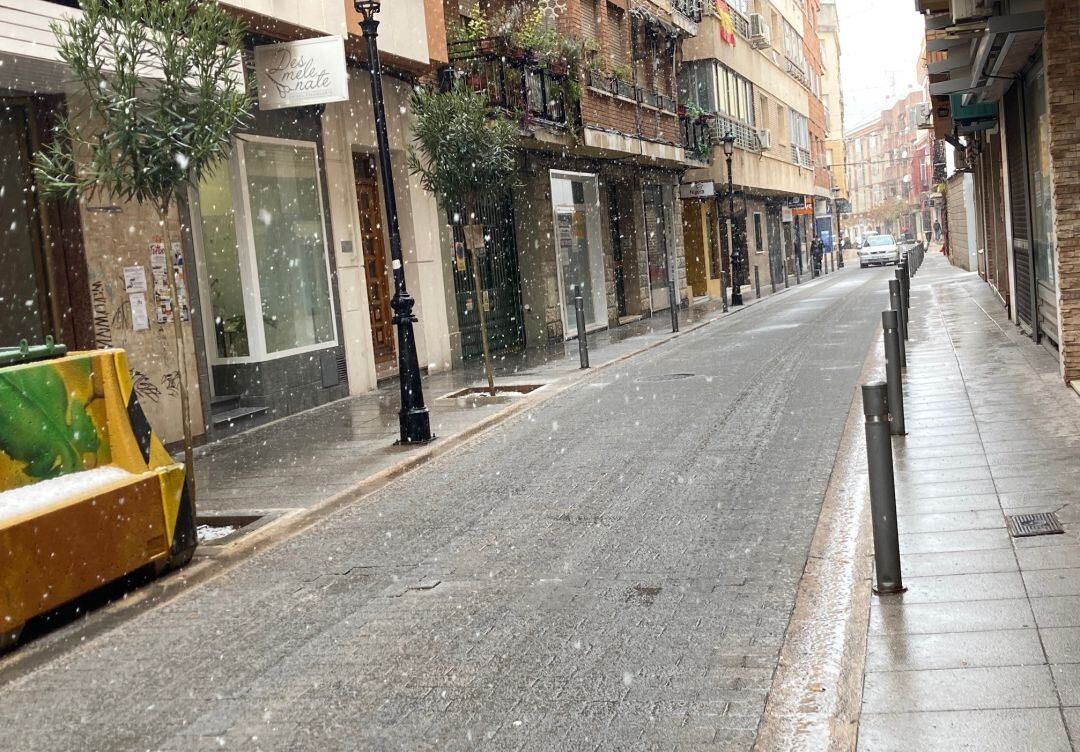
413, 419
838, 242
736, 258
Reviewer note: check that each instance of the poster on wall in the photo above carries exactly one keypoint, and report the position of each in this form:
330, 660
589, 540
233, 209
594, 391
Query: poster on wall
159, 272
307, 71
134, 279
140, 318
459, 256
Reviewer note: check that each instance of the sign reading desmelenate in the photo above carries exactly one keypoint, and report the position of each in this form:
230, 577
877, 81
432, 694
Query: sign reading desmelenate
309, 71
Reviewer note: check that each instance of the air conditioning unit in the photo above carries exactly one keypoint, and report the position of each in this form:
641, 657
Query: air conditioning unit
760, 36
764, 137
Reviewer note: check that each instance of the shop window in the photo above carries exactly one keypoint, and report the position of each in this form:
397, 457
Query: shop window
263, 252
759, 235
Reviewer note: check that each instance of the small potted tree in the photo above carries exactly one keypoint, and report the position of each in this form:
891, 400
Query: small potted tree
465, 152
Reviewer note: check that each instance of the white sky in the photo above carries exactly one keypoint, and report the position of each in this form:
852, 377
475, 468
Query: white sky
879, 47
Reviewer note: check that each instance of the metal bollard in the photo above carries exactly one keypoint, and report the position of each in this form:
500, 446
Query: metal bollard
893, 376
673, 299
897, 305
772, 278
903, 292
882, 488
582, 340
723, 290
905, 285
757, 284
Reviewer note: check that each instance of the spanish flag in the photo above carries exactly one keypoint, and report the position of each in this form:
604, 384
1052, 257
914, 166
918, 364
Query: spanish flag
727, 27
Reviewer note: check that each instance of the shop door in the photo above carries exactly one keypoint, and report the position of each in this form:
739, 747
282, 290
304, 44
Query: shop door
500, 286
617, 253
378, 283
1020, 209
656, 235
24, 300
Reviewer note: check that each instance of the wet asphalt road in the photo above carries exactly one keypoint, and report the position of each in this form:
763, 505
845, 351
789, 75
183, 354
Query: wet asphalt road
615, 571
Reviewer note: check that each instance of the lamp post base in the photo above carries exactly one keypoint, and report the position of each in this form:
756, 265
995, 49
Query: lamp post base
736, 296
413, 419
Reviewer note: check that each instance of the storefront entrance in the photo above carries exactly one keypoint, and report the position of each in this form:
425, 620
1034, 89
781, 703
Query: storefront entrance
658, 235
500, 286
378, 286
575, 203
24, 298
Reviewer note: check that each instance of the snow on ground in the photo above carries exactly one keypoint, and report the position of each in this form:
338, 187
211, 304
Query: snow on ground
209, 533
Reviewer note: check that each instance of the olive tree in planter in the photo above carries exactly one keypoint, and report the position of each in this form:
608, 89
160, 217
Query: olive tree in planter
160, 93
465, 151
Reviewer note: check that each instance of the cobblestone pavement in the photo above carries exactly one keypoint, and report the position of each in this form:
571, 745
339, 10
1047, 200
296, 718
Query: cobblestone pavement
612, 571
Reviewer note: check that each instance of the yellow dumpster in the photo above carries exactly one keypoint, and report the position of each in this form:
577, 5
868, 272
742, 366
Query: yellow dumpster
88, 493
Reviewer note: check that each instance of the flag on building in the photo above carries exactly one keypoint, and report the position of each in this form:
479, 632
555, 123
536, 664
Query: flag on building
727, 26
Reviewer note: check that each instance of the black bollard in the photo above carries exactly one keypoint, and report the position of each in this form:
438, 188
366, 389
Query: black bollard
898, 306
723, 290
757, 284
674, 300
882, 488
893, 375
582, 340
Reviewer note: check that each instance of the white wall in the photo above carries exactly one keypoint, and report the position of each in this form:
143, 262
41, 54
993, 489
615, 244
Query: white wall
325, 16
349, 127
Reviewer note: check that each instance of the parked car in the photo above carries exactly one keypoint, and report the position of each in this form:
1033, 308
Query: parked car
879, 249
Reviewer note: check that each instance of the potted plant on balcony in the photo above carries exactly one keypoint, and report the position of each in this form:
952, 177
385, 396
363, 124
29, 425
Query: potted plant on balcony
465, 152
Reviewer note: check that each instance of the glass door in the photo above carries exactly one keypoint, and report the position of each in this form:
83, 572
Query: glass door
575, 201
656, 234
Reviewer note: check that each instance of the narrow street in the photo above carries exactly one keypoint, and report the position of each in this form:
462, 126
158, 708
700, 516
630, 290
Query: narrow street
613, 570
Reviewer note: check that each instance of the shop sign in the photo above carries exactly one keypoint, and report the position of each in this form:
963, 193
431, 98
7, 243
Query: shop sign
785, 214
700, 189
308, 71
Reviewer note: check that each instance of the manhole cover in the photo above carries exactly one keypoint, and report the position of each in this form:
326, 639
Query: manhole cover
665, 377
1026, 525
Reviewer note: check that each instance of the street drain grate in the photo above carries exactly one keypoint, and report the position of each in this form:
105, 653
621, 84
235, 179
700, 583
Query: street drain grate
1026, 525
665, 377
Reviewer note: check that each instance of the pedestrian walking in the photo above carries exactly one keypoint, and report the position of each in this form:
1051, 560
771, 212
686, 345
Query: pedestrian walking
937, 229
817, 250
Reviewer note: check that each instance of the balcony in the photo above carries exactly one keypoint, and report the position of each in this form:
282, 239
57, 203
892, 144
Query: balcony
801, 156
511, 81
746, 136
687, 15
741, 24
697, 136
610, 84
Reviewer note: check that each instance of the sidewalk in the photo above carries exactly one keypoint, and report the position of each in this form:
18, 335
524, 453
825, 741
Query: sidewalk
983, 650
299, 461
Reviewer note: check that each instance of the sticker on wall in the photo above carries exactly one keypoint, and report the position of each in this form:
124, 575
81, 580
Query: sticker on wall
134, 279
140, 318
181, 280
459, 256
159, 272
468, 304
487, 300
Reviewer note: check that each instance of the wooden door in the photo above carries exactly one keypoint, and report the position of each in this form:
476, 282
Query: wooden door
378, 283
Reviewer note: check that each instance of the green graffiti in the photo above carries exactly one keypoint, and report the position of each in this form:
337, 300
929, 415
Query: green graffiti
41, 424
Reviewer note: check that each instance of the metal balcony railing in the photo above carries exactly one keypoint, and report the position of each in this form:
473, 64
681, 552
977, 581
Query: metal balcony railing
614, 85
746, 136
697, 137
689, 8
800, 156
508, 79
741, 24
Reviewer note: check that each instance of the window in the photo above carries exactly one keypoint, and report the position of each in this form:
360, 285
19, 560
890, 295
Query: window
793, 46
759, 235
262, 240
799, 129
575, 203
616, 35
715, 88
743, 6
590, 19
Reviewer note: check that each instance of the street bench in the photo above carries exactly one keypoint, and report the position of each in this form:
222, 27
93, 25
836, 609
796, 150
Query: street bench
88, 493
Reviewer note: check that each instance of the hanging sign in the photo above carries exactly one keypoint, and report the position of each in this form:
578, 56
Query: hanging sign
700, 189
309, 71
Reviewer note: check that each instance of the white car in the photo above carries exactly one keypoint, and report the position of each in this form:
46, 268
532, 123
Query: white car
879, 249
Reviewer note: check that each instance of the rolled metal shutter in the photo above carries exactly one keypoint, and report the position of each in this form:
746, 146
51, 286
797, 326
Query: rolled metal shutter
1020, 210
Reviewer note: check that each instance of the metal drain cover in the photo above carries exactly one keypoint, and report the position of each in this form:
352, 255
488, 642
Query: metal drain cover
1026, 525
665, 377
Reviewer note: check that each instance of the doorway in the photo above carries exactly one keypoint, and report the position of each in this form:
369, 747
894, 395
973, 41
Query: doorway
378, 283
617, 253
24, 298
656, 235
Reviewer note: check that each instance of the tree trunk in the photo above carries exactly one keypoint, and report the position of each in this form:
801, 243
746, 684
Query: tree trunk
483, 323
181, 356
